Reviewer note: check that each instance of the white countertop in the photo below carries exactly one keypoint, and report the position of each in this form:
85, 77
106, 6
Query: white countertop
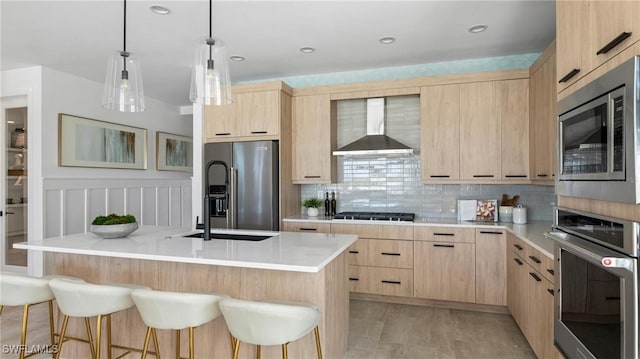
288, 251
532, 232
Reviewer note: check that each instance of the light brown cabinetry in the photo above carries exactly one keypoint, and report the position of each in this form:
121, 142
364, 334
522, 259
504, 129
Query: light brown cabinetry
255, 114
491, 267
444, 263
440, 132
314, 139
381, 260
309, 227
590, 33
512, 102
543, 118
530, 295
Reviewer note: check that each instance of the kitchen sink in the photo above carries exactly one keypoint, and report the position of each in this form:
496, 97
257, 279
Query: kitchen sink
229, 236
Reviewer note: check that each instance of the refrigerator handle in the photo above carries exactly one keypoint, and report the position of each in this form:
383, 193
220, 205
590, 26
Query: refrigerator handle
231, 211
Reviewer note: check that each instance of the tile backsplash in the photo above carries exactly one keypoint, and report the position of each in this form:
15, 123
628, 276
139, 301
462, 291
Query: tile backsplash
392, 183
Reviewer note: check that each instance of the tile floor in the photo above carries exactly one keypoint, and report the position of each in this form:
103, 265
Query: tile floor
376, 330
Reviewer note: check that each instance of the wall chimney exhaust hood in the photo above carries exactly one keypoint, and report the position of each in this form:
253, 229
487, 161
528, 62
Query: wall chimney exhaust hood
375, 142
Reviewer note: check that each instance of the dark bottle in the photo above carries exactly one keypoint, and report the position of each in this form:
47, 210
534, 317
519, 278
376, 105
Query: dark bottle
333, 203
327, 204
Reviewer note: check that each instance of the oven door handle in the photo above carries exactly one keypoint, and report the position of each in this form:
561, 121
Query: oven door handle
594, 253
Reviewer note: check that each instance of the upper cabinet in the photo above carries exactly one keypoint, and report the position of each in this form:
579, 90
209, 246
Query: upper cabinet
255, 114
475, 132
590, 33
314, 139
543, 123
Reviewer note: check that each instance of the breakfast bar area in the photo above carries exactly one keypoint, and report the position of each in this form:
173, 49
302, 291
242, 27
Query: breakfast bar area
290, 267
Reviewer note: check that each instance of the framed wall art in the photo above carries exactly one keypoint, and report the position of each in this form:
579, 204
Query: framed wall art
174, 152
84, 142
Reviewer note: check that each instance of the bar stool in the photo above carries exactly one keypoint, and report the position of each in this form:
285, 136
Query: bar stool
23, 290
270, 323
174, 310
85, 300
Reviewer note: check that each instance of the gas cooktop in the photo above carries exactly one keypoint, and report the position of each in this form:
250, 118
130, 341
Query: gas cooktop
376, 216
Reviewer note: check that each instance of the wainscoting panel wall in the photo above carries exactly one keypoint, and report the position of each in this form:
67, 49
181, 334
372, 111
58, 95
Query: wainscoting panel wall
71, 204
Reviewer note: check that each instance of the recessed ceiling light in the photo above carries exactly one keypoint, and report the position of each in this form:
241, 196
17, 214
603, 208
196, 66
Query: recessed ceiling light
307, 49
159, 9
387, 40
477, 28
237, 58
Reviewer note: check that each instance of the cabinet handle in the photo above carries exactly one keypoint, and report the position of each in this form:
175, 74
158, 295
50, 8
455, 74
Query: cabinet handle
518, 261
443, 234
258, 132
613, 43
311, 176
307, 229
354, 279
568, 76
439, 176
611, 298
354, 252
535, 277
482, 176
550, 291
490, 232
518, 247
542, 175
551, 271
535, 259
223, 134
389, 254
444, 245
391, 281
516, 176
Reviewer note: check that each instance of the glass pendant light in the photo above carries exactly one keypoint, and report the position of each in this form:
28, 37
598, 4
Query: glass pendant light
123, 84
210, 80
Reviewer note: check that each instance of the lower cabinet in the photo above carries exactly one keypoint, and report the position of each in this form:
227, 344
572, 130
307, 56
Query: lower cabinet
445, 271
491, 267
381, 280
530, 299
310, 227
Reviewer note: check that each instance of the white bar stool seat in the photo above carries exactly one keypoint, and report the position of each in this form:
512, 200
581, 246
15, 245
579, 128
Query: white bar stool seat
23, 290
85, 300
270, 323
176, 311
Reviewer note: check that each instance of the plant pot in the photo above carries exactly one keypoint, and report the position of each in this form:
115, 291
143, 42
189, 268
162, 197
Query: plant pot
113, 230
312, 212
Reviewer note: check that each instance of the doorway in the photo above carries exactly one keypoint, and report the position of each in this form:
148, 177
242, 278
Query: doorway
14, 219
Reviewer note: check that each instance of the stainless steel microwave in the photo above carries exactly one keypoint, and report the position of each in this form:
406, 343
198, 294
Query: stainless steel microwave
598, 138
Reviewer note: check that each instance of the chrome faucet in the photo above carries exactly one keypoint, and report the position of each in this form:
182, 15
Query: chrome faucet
206, 205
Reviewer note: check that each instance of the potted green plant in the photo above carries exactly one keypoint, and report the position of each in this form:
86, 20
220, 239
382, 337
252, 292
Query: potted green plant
312, 204
113, 225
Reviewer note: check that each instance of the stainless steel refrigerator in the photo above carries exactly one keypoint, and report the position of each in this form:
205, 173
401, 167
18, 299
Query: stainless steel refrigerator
250, 200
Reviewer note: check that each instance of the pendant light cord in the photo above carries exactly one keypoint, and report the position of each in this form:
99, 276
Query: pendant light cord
124, 39
210, 17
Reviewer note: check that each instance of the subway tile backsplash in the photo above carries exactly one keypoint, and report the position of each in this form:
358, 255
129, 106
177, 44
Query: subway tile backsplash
392, 183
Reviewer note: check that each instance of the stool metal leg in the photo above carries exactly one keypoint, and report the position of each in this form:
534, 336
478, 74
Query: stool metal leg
62, 333
233, 340
23, 335
258, 350
316, 331
155, 342
109, 336
284, 351
146, 343
236, 347
90, 337
98, 336
1, 306
51, 325
191, 346
177, 344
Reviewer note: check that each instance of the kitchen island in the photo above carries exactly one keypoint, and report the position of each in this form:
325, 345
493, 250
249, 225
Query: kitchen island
286, 266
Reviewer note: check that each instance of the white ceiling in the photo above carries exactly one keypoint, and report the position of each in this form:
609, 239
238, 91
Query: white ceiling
78, 36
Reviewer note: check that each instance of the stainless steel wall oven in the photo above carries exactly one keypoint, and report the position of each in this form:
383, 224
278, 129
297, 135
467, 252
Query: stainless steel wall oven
596, 301
598, 138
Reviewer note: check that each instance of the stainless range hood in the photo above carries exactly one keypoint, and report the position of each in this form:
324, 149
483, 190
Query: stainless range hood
375, 142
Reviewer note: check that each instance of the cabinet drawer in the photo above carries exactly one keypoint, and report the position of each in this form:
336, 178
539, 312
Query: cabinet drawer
548, 268
381, 253
534, 258
384, 281
444, 234
310, 227
378, 231
516, 245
